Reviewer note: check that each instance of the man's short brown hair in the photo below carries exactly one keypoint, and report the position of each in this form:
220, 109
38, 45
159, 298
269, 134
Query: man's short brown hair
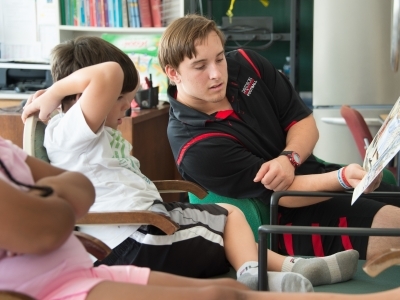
178, 40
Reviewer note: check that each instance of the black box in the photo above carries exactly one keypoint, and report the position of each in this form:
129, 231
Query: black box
147, 98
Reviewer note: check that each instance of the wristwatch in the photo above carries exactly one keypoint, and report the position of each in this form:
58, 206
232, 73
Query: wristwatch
294, 157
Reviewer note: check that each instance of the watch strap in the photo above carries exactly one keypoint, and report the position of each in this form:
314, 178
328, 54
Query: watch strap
293, 157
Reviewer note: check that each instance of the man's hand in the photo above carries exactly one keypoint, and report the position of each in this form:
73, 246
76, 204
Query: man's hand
276, 174
354, 173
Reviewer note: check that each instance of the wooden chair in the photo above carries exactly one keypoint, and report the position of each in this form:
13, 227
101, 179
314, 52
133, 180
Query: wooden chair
33, 138
10, 295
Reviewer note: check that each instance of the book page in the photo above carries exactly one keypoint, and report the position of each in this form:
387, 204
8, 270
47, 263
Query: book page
384, 146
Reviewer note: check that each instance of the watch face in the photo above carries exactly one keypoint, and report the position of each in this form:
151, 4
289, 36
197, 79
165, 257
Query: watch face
296, 157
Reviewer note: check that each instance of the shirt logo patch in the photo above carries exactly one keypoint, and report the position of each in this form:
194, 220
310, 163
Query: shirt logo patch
249, 86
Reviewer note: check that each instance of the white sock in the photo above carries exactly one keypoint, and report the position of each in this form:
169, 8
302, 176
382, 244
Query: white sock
277, 281
324, 270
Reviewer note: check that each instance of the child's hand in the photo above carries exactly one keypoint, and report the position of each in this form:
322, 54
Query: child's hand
374, 184
44, 102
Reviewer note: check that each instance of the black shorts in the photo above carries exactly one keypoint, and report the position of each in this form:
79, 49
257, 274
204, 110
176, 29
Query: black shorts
195, 250
335, 212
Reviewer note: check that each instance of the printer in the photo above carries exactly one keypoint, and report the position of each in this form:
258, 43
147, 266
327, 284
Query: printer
20, 78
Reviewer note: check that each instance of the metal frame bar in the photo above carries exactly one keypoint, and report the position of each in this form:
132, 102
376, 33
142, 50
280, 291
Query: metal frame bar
277, 195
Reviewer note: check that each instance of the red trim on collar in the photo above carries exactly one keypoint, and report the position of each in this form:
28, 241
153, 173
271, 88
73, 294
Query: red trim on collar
223, 114
290, 125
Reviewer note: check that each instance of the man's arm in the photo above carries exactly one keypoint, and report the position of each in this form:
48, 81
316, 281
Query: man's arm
278, 174
302, 137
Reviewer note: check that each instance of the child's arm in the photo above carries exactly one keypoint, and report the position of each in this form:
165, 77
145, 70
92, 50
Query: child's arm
100, 86
34, 224
73, 187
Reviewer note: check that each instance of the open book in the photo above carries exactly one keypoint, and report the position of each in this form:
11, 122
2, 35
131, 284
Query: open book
382, 149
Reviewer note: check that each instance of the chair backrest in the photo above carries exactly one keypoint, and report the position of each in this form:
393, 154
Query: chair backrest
358, 127
33, 138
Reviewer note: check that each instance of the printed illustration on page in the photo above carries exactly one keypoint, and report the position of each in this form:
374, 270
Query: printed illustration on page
384, 146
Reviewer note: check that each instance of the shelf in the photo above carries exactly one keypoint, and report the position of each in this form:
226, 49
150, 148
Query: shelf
257, 36
141, 30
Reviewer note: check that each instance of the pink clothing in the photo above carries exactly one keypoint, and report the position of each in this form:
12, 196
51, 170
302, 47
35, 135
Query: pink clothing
66, 273
14, 159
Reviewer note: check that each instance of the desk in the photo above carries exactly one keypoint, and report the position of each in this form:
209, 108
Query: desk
11, 98
146, 130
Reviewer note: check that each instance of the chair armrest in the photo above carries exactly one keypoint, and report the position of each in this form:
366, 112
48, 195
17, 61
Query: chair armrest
264, 230
144, 217
179, 186
276, 196
10, 295
93, 246
130, 218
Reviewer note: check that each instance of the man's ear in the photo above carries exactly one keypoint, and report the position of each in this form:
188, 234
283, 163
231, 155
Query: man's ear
172, 74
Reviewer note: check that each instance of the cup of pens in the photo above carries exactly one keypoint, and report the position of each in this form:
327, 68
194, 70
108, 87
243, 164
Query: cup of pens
147, 98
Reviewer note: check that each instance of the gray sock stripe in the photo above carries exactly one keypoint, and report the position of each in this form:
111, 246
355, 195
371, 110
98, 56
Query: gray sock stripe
334, 269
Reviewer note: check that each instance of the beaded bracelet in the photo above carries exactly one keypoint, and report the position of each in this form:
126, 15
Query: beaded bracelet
342, 179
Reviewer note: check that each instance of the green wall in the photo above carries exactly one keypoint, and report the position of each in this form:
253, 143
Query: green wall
280, 11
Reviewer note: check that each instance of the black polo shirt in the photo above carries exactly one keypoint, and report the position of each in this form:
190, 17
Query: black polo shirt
223, 152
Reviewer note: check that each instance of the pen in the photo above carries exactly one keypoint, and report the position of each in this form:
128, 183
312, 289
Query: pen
150, 82
147, 82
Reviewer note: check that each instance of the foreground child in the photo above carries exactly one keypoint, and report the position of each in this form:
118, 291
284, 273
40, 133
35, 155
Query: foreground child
95, 83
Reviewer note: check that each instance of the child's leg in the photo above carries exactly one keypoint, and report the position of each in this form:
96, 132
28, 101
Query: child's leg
242, 253
324, 270
166, 279
197, 289
166, 286
240, 248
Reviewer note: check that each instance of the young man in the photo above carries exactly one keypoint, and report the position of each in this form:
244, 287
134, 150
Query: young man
95, 82
238, 128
